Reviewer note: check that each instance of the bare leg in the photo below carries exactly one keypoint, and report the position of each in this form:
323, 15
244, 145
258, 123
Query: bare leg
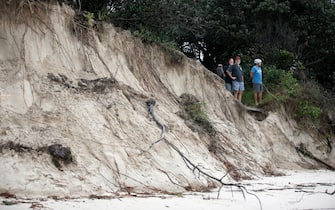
256, 98
236, 94
240, 96
260, 95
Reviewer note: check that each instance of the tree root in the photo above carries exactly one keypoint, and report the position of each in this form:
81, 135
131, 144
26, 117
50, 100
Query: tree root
303, 150
196, 169
151, 103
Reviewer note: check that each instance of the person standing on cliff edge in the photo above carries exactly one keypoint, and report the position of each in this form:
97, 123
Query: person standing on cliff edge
237, 75
228, 77
257, 80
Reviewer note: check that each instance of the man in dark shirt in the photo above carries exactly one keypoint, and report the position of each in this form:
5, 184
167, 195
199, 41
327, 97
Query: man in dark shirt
238, 79
228, 77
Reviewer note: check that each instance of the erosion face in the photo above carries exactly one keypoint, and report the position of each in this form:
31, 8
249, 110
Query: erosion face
86, 88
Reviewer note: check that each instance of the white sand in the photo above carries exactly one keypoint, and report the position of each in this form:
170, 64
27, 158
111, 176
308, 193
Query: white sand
297, 190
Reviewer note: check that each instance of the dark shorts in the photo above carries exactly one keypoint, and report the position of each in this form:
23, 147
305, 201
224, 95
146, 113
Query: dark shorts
258, 88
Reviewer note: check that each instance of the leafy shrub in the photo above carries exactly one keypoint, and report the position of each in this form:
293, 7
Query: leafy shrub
102, 15
195, 112
290, 84
301, 101
272, 77
89, 16
159, 38
284, 59
281, 82
307, 111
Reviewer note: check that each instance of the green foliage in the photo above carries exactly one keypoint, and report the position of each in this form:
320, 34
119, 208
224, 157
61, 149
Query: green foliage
150, 36
289, 84
89, 16
195, 111
272, 77
218, 29
281, 82
154, 20
102, 15
298, 65
284, 33
194, 108
300, 100
273, 7
307, 111
284, 59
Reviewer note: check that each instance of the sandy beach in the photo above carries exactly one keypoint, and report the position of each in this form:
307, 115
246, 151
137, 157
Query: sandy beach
295, 190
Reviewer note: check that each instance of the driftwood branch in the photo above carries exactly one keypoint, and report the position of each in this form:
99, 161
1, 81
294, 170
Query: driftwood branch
196, 169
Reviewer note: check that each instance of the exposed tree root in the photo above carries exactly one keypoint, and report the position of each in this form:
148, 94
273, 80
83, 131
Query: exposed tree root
196, 169
168, 176
303, 150
151, 103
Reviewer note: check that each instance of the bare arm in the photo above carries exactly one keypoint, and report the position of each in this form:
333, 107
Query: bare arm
229, 74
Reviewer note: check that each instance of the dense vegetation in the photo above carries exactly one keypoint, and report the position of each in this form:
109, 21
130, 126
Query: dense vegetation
217, 29
294, 38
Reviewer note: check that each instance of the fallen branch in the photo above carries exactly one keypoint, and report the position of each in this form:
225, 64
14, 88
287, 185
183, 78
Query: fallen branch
189, 163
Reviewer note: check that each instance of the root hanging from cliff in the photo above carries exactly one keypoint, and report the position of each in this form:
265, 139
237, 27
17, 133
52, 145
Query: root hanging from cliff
196, 169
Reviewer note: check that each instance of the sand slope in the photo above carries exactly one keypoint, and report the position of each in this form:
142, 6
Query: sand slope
106, 123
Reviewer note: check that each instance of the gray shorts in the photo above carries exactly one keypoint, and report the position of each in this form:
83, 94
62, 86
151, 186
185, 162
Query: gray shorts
258, 88
228, 87
238, 86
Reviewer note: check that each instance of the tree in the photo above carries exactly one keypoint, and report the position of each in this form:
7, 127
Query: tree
213, 30
314, 23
